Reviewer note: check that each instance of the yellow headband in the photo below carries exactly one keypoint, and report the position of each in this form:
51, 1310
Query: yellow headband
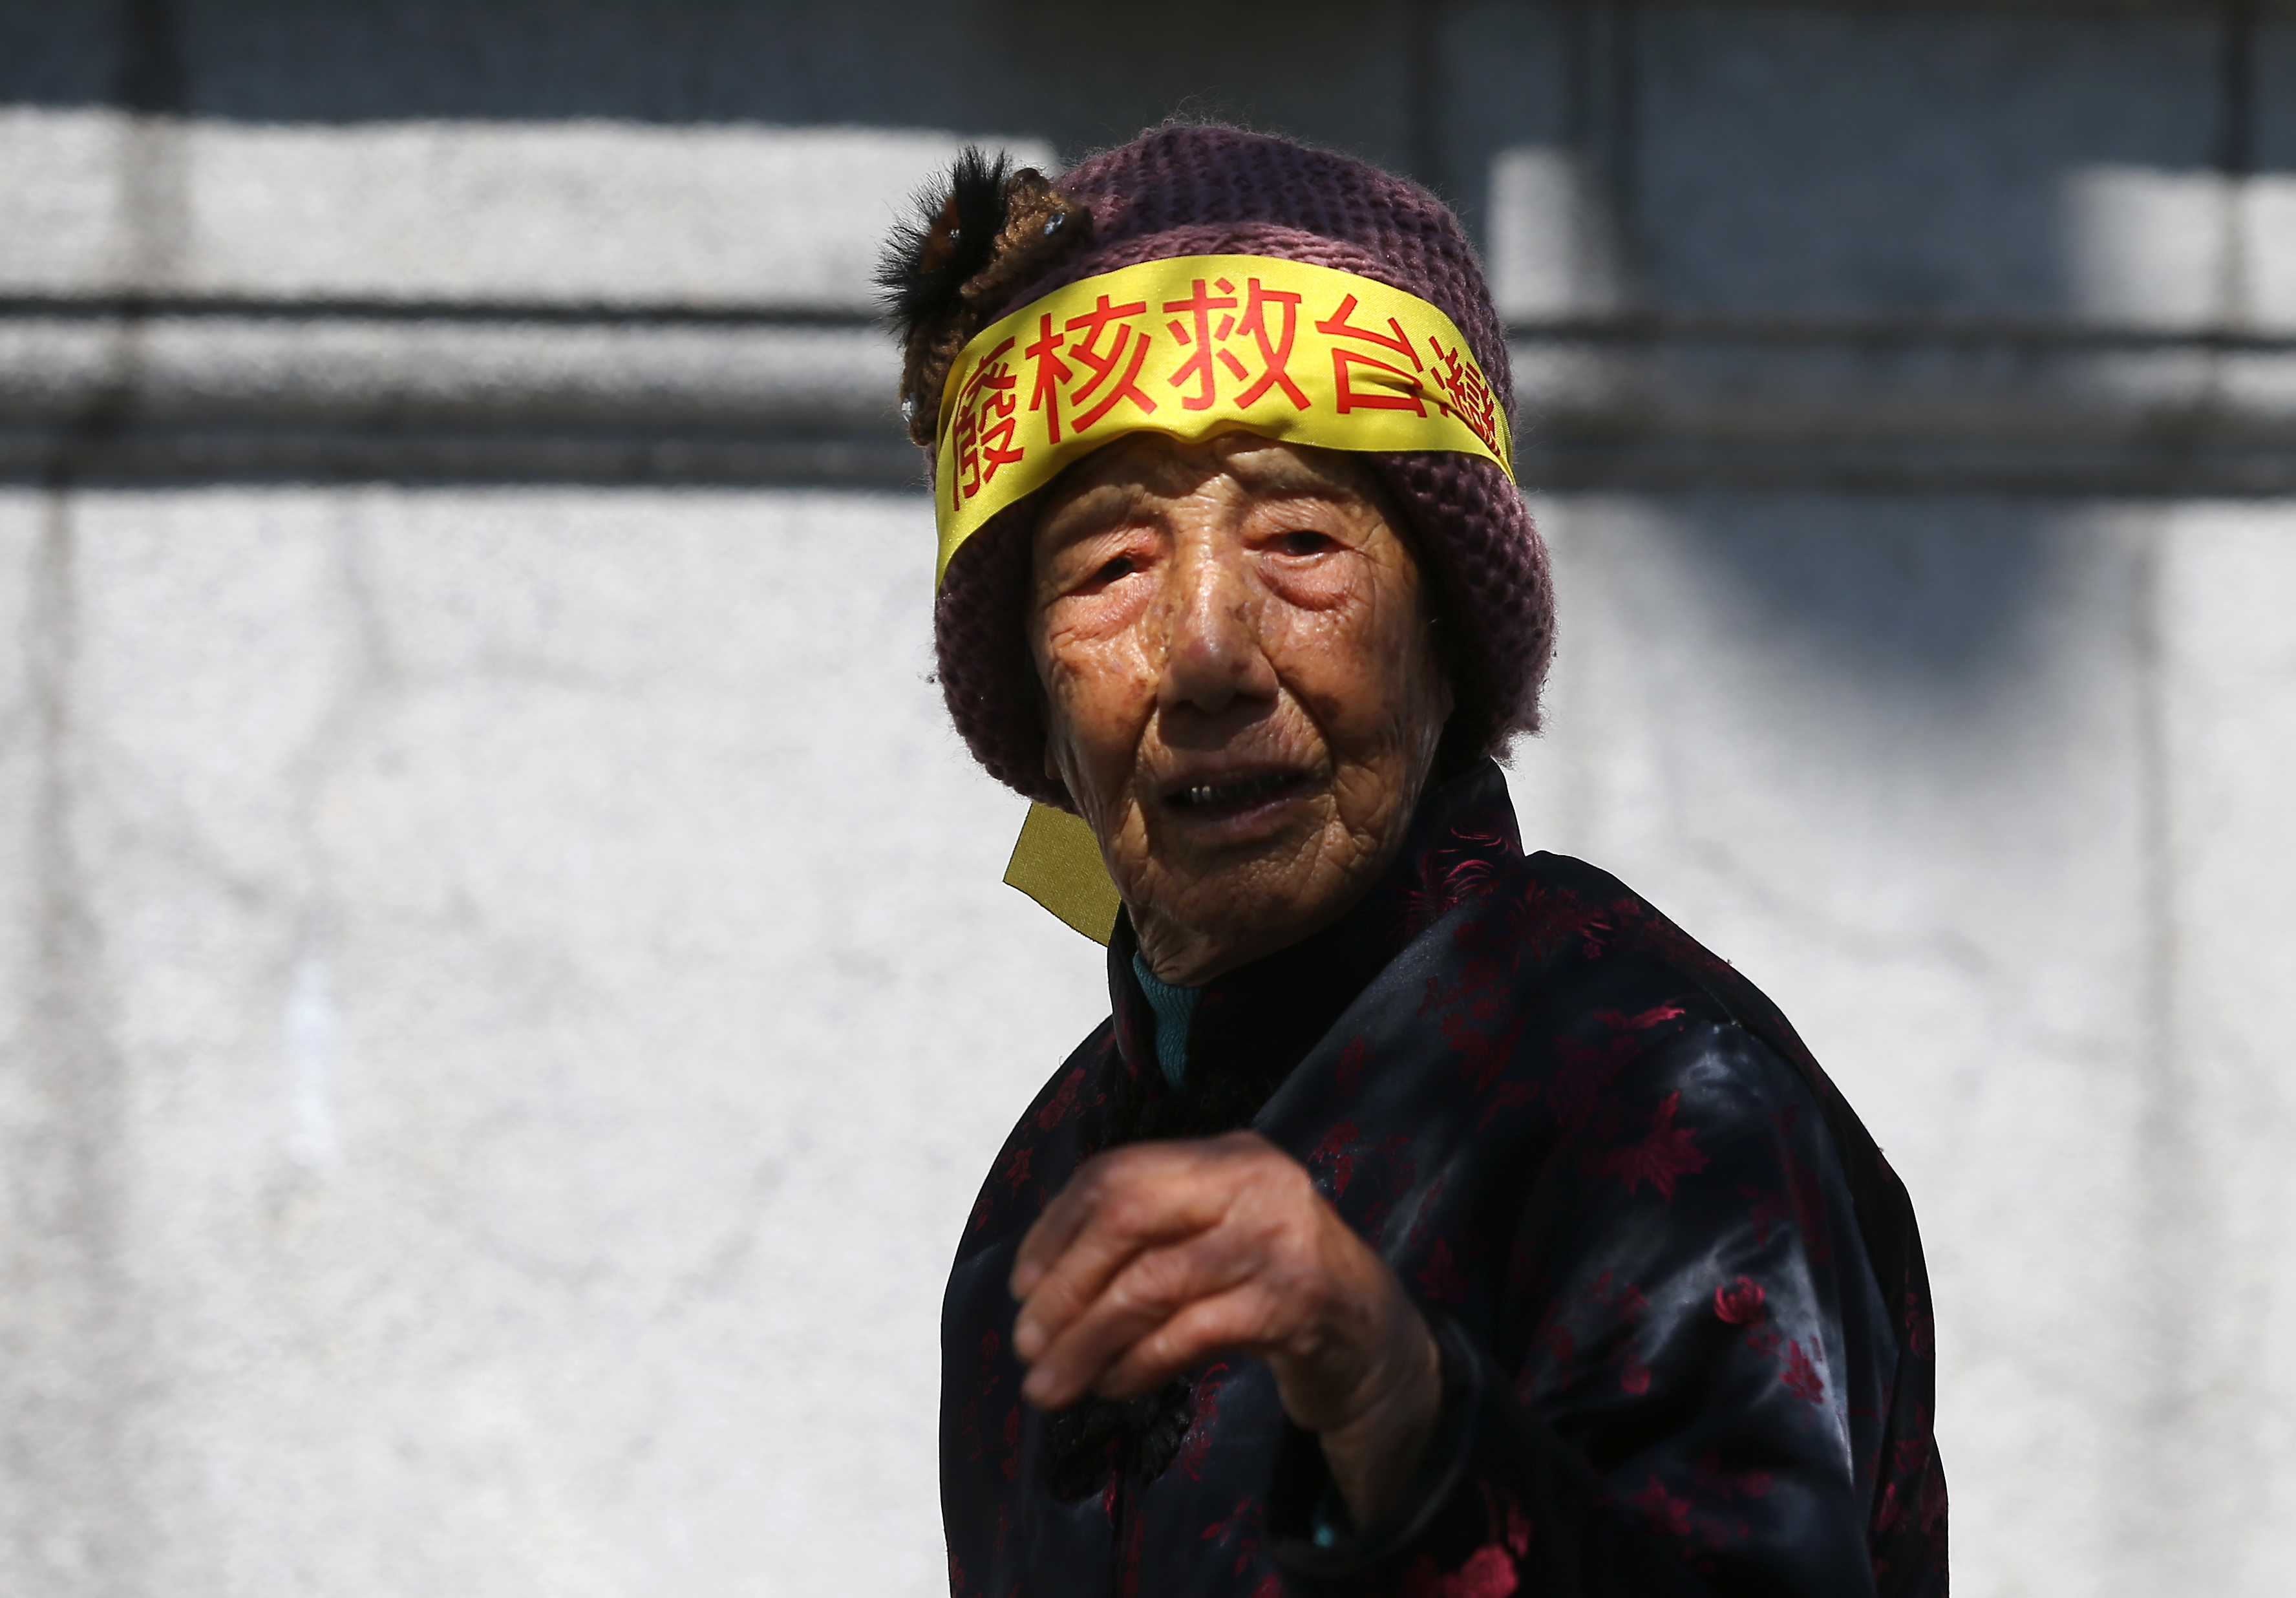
1197, 345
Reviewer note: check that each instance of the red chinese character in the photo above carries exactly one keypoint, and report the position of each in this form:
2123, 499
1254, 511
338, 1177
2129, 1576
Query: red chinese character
1198, 367
979, 451
1274, 351
1408, 384
997, 447
1052, 371
1105, 363
1469, 397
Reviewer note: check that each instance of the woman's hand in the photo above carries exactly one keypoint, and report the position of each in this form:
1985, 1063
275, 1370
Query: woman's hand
1159, 1257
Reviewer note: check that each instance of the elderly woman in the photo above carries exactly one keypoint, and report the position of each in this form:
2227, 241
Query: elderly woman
1427, 1219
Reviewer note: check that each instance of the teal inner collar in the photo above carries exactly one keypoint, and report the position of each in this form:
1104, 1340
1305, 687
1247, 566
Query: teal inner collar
1173, 1008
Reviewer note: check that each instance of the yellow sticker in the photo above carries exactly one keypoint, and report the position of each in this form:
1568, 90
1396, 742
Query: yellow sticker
1197, 345
1057, 861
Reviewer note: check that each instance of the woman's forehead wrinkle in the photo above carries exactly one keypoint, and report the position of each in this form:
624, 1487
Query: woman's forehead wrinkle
1096, 507
1151, 461
1150, 465
1268, 467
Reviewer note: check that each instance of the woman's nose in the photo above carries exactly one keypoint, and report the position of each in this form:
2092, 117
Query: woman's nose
1212, 651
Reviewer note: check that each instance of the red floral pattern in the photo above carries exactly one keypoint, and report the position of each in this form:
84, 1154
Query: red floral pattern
1663, 1157
1740, 1303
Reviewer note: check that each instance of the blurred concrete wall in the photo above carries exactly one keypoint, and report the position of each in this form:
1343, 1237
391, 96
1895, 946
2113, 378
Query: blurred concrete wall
504, 994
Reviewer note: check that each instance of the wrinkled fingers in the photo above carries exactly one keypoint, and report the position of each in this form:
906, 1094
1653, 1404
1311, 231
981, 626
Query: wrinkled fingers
1155, 1285
1117, 1206
1243, 1320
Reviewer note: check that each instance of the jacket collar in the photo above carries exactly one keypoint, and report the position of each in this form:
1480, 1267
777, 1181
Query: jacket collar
1253, 1024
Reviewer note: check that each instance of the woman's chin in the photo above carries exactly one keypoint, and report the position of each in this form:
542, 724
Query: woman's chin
1215, 908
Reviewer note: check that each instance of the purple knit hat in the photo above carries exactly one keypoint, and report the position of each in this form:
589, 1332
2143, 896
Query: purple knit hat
1181, 190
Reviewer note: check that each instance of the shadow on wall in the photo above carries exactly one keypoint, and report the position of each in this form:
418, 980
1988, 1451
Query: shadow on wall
1741, 158
1934, 597
1625, 166
1336, 71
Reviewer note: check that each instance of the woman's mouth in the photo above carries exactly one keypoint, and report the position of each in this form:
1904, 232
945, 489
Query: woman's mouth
1238, 794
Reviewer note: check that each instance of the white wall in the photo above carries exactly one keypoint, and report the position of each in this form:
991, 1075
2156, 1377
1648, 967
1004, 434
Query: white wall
539, 1001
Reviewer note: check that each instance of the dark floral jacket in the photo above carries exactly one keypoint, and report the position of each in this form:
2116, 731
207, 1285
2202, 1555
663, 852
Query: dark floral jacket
1680, 1297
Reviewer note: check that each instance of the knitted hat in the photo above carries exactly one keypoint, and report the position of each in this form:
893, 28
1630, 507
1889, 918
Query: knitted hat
993, 243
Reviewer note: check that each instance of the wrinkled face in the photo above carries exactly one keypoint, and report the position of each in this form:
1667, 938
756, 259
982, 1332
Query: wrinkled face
1244, 694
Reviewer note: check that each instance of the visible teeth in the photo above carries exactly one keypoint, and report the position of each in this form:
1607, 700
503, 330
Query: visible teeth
1230, 793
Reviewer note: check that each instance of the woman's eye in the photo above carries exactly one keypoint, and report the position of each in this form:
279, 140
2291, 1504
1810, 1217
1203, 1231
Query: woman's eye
1116, 569
1303, 541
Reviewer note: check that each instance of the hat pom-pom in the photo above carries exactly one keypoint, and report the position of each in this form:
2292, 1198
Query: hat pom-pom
930, 257
968, 241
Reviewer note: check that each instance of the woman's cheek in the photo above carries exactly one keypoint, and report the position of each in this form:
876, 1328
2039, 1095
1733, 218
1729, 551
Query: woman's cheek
1105, 693
1121, 605
1353, 651
1317, 585
1364, 687
1092, 634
